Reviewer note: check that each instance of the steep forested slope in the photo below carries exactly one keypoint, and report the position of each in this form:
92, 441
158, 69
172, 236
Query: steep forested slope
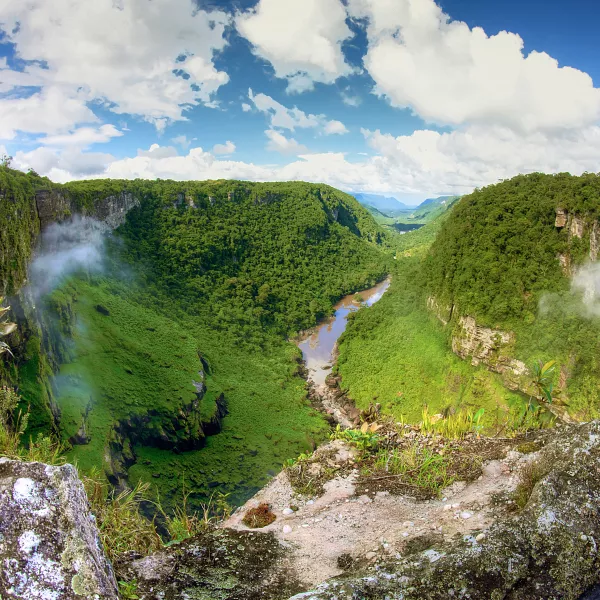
202, 283
506, 256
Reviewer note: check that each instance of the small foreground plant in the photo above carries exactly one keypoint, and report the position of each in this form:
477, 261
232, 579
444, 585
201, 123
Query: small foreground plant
128, 590
415, 466
261, 516
183, 523
12, 423
365, 438
530, 474
455, 426
122, 527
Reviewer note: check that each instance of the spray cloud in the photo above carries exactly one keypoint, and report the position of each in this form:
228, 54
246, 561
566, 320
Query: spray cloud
66, 248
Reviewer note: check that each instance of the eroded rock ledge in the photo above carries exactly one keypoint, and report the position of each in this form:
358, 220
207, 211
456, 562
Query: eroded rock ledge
349, 541
548, 551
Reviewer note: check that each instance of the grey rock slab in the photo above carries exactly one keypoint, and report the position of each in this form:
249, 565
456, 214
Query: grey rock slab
49, 543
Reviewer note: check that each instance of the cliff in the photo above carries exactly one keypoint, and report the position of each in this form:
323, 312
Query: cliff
499, 277
525, 528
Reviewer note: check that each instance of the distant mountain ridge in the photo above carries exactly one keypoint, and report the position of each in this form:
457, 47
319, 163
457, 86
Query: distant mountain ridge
386, 205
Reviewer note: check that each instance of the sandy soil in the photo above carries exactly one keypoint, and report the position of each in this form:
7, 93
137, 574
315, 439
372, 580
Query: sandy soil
365, 528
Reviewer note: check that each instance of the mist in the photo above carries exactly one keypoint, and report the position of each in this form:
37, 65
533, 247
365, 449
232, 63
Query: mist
66, 248
587, 282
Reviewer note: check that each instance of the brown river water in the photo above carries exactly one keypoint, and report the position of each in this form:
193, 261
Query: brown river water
318, 345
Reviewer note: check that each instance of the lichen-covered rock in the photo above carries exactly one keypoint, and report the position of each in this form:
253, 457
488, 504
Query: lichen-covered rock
219, 564
548, 551
49, 544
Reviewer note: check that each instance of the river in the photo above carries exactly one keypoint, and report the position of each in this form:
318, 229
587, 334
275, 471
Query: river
318, 345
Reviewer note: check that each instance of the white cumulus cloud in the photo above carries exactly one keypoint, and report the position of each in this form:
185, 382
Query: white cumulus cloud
291, 118
83, 137
150, 59
279, 143
450, 74
334, 128
50, 111
302, 39
227, 148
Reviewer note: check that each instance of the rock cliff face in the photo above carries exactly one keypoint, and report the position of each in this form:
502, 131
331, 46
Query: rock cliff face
487, 346
580, 227
55, 206
492, 347
49, 544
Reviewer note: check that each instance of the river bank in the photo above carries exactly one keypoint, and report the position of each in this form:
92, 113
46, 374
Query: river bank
319, 353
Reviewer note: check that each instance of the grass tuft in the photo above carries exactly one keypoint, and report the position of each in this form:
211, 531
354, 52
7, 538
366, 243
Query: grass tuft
261, 516
529, 476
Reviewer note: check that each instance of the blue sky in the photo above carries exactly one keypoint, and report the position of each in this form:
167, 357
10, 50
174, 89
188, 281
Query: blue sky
401, 97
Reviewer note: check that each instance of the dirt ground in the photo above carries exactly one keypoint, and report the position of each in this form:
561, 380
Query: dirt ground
353, 522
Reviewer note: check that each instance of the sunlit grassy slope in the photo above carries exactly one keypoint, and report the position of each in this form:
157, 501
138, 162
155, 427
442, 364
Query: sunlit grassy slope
396, 353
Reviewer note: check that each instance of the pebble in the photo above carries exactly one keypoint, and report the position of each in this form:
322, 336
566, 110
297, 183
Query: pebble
287, 529
287, 511
310, 502
480, 537
466, 515
583, 537
456, 505
370, 555
447, 506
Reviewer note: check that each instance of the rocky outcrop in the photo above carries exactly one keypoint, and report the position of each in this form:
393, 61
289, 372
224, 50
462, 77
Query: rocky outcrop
218, 564
113, 210
595, 241
55, 206
485, 345
52, 206
49, 544
547, 551
562, 218
578, 227
443, 313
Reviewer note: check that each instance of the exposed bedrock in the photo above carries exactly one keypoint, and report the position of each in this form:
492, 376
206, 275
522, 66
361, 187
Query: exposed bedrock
49, 543
548, 551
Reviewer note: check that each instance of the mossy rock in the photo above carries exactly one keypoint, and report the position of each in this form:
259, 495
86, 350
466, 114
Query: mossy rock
220, 564
548, 551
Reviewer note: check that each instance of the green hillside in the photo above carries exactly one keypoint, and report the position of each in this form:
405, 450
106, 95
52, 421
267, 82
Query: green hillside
493, 256
203, 276
398, 354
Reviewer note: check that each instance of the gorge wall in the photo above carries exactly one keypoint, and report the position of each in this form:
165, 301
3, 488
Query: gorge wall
576, 237
31, 206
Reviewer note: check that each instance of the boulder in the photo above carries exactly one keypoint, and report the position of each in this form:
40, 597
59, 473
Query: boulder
549, 550
220, 564
49, 543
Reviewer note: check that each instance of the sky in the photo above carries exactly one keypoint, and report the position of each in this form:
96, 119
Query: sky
406, 98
